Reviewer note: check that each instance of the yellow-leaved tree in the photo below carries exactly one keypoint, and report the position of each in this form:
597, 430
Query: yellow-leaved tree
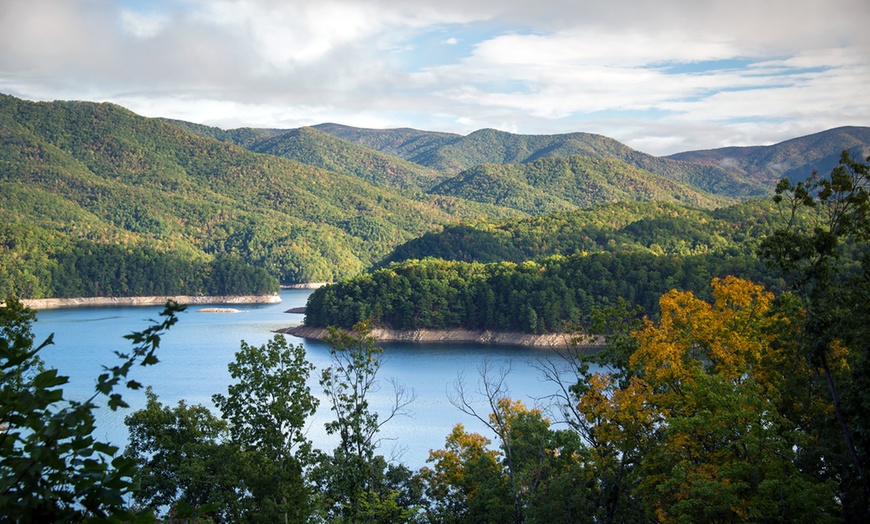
703, 418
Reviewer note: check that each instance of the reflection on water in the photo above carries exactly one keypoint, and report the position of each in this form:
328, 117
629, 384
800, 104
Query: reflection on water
195, 353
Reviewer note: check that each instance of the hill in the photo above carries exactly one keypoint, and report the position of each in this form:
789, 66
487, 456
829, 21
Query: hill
553, 184
406, 143
542, 274
103, 173
795, 159
322, 203
656, 228
455, 153
311, 146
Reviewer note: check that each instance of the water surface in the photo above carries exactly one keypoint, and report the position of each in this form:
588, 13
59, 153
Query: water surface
194, 355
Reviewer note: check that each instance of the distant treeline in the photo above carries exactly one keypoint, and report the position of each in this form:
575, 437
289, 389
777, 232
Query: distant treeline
34, 264
650, 227
536, 297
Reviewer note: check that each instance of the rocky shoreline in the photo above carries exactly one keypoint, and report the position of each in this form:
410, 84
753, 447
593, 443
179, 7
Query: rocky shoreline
57, 303
550, 340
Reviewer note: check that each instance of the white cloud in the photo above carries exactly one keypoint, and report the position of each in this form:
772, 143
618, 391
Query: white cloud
532, 67
143, 25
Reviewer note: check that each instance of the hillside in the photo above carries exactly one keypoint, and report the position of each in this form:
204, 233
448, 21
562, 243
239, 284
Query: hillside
552, 184
317, 204
455, 153
311, 146
403, 142
795, 159
647, 227
101, 172
243, 136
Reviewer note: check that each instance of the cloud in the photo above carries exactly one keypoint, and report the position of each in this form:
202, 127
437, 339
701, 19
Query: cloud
143, 25
662, 75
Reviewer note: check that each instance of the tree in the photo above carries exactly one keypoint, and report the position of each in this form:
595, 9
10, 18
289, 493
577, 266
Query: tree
493, 388
467, 482
183, 459
52, 467
822, 250
349, 479
537, 474
704, 416
267, 410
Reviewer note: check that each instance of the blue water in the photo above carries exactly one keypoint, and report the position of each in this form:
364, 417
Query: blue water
193, 366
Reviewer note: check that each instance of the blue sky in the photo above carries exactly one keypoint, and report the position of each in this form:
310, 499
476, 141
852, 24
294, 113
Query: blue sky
661, 76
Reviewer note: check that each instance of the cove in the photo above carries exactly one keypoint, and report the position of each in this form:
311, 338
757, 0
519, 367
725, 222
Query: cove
193, 366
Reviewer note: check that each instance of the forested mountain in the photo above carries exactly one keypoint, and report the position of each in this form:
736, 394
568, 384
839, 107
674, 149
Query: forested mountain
100, 172
455, 153
552, 184
647, 227
341, 200
406, 143
795, 159
243, 136
541, 186
314, 147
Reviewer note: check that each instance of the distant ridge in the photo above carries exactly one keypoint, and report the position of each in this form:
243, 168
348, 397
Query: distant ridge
456, 153
795, 159
553, 184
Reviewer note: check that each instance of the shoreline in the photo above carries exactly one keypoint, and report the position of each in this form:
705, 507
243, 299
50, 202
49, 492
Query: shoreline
458, 336
59, 303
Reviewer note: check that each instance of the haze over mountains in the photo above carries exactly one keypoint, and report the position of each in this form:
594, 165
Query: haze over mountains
324, 202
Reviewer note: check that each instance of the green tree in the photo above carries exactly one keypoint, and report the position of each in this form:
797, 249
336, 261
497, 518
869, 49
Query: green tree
52, 467
183, 457
267, 409
827, 264
350, 478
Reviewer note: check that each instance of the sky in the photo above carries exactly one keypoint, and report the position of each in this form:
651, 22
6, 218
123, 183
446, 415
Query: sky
661, 76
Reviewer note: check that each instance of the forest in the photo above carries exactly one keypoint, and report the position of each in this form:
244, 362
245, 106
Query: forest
548, 273
50, 265
740, 404
546, 296
329, 202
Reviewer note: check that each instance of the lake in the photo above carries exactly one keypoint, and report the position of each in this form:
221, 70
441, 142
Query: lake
193, 366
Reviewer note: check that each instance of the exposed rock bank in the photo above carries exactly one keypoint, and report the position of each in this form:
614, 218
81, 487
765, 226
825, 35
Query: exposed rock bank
551, 340
56, 303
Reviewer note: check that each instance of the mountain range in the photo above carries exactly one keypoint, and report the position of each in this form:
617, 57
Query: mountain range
324, 202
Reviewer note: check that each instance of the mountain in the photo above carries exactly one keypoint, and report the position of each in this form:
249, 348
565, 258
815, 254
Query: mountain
318, 148
406, 143
656, 228
455, 153
321, 203
101, 172
551, 184
795, 159
243, 136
